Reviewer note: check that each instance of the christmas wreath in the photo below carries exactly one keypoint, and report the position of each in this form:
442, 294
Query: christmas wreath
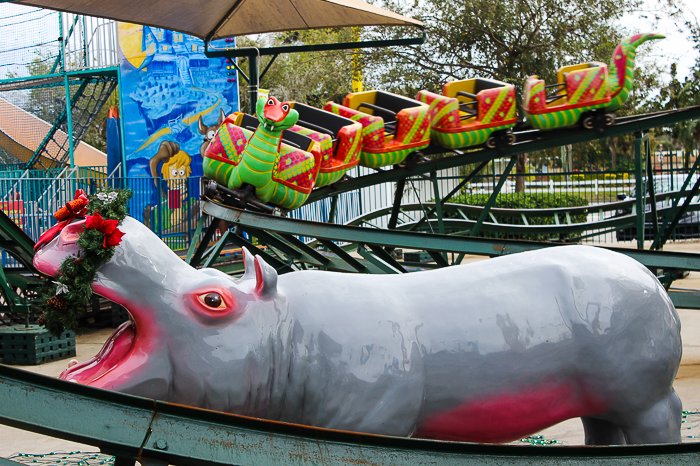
65, 298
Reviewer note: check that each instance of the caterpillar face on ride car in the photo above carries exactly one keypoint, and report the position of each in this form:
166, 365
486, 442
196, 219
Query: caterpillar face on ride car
281, 175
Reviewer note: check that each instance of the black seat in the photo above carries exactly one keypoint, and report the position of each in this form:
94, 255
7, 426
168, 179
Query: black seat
553, 97
390, 105
468, 107
322, 121
483, 84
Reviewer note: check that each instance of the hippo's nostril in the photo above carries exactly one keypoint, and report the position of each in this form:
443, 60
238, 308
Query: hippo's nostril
71, 233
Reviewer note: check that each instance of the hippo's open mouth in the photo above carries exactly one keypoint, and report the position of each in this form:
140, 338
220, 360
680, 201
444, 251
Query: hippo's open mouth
114, 351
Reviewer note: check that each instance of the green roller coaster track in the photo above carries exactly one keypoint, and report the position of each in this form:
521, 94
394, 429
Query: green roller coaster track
277, 238
158, 433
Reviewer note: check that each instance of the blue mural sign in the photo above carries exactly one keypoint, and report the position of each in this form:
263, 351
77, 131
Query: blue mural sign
168, 86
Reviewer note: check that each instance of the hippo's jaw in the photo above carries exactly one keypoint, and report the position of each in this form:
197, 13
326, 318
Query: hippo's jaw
113, 354
124, 360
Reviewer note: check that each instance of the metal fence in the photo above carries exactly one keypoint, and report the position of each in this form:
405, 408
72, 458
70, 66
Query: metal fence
171, 207
541, 191
34, 40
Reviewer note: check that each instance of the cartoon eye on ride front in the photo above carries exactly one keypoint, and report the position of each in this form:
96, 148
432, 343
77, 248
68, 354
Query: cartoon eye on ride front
285, 107
270, 102
174, 172
181, 172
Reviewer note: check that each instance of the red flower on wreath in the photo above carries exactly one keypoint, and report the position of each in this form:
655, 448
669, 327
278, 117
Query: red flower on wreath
112, 234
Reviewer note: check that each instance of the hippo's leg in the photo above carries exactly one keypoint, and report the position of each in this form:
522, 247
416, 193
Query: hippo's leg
659, 424
600, 432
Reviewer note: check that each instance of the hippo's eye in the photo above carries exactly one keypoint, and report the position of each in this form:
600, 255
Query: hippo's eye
270, 102
285, 107
213, 300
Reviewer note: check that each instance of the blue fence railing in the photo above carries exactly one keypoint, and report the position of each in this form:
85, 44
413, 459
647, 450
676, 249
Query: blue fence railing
169, 207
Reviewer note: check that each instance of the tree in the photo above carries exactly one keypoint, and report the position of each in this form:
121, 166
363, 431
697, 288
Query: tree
46, 103
313, 77
679, 94
507, 41
96, 134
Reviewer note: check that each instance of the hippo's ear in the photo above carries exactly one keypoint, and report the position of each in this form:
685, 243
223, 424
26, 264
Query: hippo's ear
249, 265
265, 279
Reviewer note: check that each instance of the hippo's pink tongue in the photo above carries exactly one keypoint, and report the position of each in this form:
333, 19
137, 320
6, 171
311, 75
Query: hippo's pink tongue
112, 353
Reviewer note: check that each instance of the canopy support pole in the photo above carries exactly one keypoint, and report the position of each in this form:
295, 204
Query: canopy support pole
252, 53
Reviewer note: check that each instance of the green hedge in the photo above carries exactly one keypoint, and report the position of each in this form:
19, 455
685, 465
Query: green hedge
524, 201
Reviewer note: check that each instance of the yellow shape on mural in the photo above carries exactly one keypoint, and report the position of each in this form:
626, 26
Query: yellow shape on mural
131, 42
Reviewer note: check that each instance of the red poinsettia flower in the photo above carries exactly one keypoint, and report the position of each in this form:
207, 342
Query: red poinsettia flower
113, 235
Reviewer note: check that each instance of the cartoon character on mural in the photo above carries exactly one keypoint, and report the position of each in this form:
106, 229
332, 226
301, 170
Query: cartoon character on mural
173, 180
209, 131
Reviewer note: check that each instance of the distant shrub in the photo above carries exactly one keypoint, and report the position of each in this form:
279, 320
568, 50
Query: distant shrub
524, 201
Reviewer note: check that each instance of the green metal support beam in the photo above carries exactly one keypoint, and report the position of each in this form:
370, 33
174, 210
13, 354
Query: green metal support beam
263, 51
379, 251
652, 187
673, 216
638, 173
13, 301
333, 209
396, 208
342, 254
494, 195
454, 191
197, 234
379, 262
306, 250
428, 242
16, 242
275, 242
196, 257
272, 261
213, 253
438, 203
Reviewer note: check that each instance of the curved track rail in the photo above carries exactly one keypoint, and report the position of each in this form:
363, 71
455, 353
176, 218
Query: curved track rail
369, 250
157, 433
527, 141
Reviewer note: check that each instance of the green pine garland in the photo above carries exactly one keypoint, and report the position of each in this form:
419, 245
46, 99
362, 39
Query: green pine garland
65, 298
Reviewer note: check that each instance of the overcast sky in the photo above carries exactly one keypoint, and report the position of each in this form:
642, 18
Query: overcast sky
676, 47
